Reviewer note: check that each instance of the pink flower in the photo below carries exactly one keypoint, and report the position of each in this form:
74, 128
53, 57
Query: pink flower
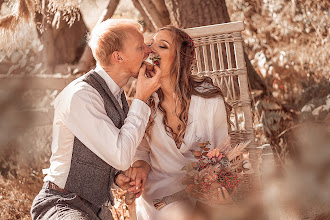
211, 154
214, 153
217, 152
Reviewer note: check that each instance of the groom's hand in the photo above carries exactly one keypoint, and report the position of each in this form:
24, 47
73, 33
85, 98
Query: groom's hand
123, 181
146, 86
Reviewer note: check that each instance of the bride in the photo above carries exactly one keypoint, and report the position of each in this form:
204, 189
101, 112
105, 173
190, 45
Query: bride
185, 111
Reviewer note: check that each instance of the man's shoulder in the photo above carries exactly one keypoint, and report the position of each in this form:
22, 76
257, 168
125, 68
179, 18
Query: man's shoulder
75, 89
79, 85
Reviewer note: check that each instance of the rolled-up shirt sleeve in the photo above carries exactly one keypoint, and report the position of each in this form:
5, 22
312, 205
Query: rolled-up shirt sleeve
88, 121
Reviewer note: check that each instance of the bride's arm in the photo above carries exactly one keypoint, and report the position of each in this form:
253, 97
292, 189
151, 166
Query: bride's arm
220, 129
140, 168
142, 164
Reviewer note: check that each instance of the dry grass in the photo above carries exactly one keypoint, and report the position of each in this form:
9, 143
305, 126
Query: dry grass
17, 193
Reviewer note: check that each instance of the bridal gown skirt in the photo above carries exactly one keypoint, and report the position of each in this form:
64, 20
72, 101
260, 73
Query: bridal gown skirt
174, 211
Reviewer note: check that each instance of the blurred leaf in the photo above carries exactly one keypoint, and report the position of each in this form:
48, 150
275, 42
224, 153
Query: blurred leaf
196, 153
205, 154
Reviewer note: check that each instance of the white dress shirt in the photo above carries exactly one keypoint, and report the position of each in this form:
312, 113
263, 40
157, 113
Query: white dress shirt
80, 112
207, 121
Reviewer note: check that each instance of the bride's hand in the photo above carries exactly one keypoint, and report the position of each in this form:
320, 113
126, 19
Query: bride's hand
138, 178
138, 174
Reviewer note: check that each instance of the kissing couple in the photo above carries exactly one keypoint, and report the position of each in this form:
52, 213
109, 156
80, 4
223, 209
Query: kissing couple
99, 142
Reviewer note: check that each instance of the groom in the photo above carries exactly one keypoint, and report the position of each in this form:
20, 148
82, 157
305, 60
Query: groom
94, 133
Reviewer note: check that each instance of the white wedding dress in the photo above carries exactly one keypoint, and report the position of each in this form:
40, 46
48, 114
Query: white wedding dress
206, 122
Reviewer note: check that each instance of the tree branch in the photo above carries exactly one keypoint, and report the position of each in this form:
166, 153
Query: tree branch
147, 20
151, 11
162, 9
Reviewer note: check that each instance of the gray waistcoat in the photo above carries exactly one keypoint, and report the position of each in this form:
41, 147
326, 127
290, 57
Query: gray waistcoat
89, 176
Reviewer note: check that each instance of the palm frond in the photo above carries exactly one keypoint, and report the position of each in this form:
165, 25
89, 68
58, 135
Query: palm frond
225, 146
69, 10
237, 150
18, 29
15, 28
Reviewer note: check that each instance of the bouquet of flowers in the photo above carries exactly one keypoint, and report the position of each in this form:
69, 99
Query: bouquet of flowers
217, 168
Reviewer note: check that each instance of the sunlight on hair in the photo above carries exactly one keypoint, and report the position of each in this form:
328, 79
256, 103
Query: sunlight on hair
108, 36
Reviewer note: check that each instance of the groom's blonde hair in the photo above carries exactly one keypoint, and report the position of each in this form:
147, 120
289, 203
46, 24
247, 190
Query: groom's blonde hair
108, 36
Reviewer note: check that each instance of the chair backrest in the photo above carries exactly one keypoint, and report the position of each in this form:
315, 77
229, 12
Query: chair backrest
220, 55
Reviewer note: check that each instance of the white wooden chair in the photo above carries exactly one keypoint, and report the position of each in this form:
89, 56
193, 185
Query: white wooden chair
220, 55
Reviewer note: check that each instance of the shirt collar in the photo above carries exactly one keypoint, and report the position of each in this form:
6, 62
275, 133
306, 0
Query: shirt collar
114, 88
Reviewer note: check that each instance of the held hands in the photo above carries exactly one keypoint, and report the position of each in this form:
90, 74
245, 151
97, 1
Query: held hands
133, 180
123, 181
138, 177
146, 85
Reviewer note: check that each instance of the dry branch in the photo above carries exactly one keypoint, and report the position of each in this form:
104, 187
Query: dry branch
151, 11
146, 19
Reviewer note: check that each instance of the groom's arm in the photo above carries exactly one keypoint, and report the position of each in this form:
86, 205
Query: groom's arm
88, 121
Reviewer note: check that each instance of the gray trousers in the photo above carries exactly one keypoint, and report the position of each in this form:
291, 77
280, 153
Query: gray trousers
52, 204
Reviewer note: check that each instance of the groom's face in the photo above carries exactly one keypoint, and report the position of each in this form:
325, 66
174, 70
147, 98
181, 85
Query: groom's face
134, 52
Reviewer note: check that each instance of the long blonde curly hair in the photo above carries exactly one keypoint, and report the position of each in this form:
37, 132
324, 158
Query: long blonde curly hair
186, 85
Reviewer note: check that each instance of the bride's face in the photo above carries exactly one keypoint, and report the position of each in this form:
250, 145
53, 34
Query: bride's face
162, 44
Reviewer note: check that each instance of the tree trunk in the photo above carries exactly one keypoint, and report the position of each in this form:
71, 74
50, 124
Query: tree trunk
47, 40
154, 15
162, 10
60, 44
48, 51
148, 24
1, 1
194, 13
